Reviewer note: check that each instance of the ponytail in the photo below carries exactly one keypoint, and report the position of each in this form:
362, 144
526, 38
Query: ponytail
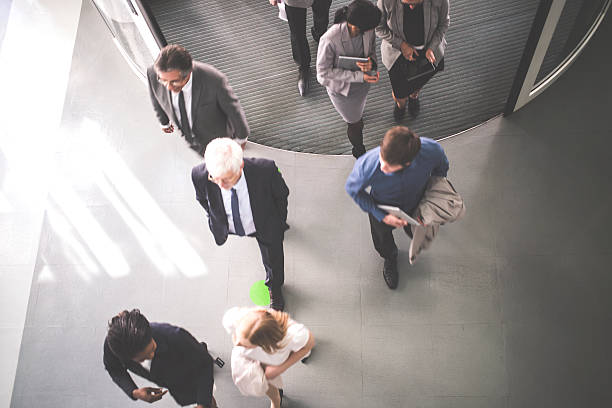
340, 15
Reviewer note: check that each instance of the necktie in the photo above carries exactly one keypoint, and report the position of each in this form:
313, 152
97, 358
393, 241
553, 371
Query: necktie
236, 214
184, 118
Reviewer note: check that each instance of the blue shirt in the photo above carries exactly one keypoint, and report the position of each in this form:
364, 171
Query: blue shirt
403, 188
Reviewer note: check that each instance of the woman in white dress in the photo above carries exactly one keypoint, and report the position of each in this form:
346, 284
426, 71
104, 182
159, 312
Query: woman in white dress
270, 338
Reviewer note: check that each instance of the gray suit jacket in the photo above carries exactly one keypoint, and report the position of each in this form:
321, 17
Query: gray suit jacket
331, 46
215, 109
391, 28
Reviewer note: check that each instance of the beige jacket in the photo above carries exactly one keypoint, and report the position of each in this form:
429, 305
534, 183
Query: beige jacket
440, 204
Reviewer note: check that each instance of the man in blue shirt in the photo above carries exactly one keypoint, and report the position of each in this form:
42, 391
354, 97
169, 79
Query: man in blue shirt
397, 173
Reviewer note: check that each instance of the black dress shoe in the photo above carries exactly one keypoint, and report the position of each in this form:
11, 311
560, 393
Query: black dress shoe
303, 81
390, 273
414, 106
305, 359
277, 302
398, 113
358, 151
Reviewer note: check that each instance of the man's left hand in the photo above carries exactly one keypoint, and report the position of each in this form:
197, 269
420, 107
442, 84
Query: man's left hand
429, 54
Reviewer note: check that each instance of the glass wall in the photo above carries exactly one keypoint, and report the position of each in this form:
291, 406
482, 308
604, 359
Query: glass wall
129, 29
560, 31
575, 21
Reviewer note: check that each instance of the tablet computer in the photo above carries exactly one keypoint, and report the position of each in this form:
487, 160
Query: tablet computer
424, 67
399, 214
350, 62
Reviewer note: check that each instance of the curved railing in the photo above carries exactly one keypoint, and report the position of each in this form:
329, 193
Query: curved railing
565, 64
527, 84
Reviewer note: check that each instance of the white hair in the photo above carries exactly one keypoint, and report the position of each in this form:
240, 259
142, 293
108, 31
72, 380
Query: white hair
222, 156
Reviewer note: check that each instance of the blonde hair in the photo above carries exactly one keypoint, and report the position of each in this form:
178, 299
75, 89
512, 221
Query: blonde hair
267, 330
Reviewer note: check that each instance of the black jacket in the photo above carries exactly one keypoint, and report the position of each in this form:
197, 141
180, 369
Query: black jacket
267, 194
181, 364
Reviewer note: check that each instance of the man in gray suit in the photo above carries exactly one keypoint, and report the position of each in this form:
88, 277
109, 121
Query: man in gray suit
196, 97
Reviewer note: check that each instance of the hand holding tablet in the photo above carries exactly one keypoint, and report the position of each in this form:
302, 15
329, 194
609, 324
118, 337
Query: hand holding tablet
397, 212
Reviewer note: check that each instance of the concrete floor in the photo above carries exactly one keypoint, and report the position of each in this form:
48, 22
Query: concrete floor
509, 308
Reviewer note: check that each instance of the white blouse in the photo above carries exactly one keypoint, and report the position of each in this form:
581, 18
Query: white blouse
295, 339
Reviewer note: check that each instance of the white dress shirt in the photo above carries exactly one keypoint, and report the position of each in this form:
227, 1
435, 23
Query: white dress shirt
244, 204
146, 364
187, 95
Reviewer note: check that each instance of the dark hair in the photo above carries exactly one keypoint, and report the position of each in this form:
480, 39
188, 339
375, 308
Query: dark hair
173, 57
400, 145
361, 13
129, 333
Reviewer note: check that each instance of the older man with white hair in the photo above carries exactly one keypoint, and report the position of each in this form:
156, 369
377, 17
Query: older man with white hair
245, 197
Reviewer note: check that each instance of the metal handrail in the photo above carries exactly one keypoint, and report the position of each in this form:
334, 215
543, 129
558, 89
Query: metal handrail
156, 31
569, 60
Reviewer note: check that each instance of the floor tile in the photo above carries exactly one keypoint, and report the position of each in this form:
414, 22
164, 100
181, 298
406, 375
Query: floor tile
469, 360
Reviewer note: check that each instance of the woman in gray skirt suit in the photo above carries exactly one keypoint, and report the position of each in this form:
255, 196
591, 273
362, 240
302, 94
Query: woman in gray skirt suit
352, 35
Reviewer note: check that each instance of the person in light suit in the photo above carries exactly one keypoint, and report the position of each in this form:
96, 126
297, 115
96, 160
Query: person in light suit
196, 97
352, 35
413, 35
245, 197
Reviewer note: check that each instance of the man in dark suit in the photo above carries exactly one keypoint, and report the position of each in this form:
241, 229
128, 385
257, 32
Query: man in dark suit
296, 17
164, 354
246, 197
196, 97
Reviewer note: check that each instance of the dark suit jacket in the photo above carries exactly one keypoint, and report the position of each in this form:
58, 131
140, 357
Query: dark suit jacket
267, 194
215, 109
181, 364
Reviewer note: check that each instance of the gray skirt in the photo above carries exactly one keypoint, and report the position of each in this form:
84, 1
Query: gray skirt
351, 107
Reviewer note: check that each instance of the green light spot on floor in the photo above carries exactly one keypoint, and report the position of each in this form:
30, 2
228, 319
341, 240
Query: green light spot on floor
259, 293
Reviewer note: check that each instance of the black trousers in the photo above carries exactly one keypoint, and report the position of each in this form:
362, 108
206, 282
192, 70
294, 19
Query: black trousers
382, 236
273, 259
354, 132
296, 17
